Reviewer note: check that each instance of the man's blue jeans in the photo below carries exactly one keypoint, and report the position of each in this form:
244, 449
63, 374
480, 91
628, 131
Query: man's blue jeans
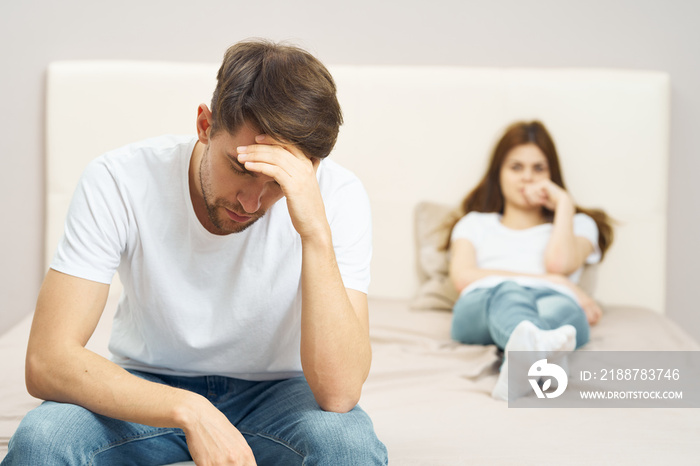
488, 316
279, 419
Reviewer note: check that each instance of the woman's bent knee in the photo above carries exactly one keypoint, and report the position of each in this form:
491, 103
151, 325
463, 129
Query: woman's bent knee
470, 319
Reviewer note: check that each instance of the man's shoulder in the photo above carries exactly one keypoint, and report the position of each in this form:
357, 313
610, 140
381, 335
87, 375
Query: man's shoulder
333, 177
343, 193
149, 155
142, 165
168, 144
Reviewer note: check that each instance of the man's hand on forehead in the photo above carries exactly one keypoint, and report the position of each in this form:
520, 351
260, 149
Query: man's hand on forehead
274, 158
296, 175
266, 151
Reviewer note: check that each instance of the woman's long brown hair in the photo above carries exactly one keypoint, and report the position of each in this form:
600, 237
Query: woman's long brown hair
488, 197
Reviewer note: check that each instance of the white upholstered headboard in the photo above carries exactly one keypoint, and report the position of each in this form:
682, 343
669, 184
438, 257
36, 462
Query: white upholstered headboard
413, 134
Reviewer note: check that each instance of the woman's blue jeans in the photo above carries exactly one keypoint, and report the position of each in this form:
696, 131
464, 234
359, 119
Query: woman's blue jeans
279, 419
487, 316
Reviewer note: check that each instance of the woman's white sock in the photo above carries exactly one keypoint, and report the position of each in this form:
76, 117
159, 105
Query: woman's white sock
528, 337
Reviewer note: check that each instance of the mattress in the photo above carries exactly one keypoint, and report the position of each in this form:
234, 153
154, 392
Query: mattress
430, 402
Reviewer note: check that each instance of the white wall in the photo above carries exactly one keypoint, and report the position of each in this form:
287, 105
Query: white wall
643, 34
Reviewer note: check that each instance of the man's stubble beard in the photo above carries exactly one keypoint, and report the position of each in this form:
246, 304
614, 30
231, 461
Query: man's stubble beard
214, 208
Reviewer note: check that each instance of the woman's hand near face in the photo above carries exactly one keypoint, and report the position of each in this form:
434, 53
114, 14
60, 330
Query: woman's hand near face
547, 194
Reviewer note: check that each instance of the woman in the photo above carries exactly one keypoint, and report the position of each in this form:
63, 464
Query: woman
518, 251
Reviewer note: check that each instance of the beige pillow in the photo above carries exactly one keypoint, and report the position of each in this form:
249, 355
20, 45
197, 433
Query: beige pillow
436, 290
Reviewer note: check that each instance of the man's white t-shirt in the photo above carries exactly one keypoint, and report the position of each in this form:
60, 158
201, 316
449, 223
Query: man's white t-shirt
522, 251
195, 303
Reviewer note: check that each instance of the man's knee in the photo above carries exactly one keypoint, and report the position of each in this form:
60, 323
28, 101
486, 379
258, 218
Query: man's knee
66, 434
47, 435
343, 439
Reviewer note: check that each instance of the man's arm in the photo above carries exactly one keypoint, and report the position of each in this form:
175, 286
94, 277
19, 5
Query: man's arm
60, 368
335, 347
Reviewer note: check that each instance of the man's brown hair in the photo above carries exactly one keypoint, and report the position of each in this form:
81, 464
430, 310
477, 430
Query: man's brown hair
281, 90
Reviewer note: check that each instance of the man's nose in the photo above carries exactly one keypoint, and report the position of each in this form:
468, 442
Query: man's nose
251, 196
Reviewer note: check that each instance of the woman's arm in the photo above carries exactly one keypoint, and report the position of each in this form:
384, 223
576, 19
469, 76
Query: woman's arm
463, 270
590, 307
565, 251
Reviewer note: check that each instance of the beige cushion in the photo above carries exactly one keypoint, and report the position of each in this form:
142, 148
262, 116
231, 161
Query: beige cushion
435, 290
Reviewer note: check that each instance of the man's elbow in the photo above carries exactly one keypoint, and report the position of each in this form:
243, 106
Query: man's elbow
338, 404
337, 397
34, 374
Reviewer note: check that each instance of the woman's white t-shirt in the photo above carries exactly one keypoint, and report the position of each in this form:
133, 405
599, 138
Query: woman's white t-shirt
501, 248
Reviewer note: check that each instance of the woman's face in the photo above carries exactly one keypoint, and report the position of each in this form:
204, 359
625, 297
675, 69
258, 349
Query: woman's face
523, 165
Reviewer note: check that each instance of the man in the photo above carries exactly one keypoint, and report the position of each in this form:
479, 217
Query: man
242, 334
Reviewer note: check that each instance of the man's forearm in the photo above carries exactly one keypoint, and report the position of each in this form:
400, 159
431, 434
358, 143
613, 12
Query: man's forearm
79, 376
90, 381
60, 368
335, 347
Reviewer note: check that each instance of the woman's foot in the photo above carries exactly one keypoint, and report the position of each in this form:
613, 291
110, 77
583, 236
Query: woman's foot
528, 337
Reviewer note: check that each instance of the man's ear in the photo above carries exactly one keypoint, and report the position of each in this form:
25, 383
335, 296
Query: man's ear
204, 122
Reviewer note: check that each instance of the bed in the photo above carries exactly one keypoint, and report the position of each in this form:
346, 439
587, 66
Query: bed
418, 138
